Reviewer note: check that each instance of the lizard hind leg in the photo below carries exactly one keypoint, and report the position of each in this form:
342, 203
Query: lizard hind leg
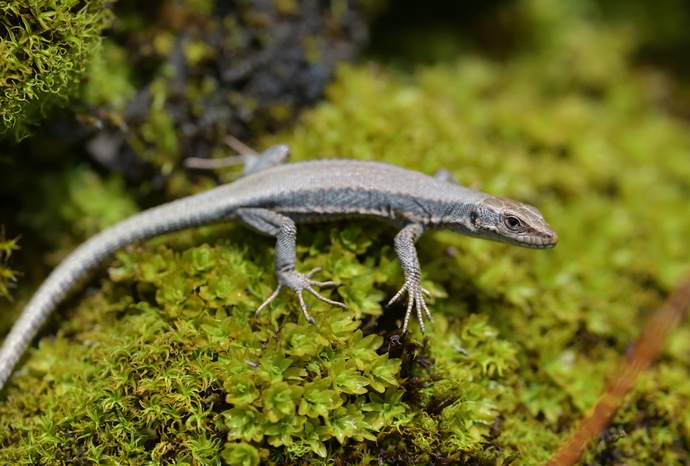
274, 155
283, 229
250, 160
299, 282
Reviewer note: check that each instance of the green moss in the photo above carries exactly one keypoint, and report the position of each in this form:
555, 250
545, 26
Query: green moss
79, 201
111, 84
203, 371
44, 52
168, 362
8, 277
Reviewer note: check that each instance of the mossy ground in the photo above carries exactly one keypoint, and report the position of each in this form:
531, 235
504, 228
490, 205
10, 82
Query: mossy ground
163, 359
45, 48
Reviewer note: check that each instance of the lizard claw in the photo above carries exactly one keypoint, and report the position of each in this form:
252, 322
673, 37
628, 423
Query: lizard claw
299, 282
415, 300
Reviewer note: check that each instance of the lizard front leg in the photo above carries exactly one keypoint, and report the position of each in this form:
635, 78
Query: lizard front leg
283, 229
407, 255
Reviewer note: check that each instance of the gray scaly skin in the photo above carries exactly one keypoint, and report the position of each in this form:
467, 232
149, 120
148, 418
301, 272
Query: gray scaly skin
272, 197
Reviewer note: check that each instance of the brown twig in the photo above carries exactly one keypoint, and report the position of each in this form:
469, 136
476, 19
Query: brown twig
647, 348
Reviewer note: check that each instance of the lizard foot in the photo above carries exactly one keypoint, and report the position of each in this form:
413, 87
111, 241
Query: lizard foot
299, 282
415, 300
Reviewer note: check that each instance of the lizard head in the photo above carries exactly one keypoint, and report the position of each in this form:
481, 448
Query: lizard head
511, 222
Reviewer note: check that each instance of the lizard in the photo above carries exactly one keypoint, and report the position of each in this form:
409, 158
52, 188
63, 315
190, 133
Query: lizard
271, 197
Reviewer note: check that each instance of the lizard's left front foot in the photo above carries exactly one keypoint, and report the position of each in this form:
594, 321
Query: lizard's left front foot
415, 300
299, 282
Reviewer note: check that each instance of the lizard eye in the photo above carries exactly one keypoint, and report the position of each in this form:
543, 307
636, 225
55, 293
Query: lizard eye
512, 223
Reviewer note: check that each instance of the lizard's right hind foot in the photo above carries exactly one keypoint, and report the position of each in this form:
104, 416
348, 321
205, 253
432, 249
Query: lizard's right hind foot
250, 160
299, 282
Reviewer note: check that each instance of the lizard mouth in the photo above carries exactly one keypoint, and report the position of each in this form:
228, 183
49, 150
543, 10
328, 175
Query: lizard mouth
546, 240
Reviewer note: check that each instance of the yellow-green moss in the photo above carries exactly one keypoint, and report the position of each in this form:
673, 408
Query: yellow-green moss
203, 377
8, 277
44, 51
167, 361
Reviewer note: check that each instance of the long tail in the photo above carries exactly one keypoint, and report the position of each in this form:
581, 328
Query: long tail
79, 264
